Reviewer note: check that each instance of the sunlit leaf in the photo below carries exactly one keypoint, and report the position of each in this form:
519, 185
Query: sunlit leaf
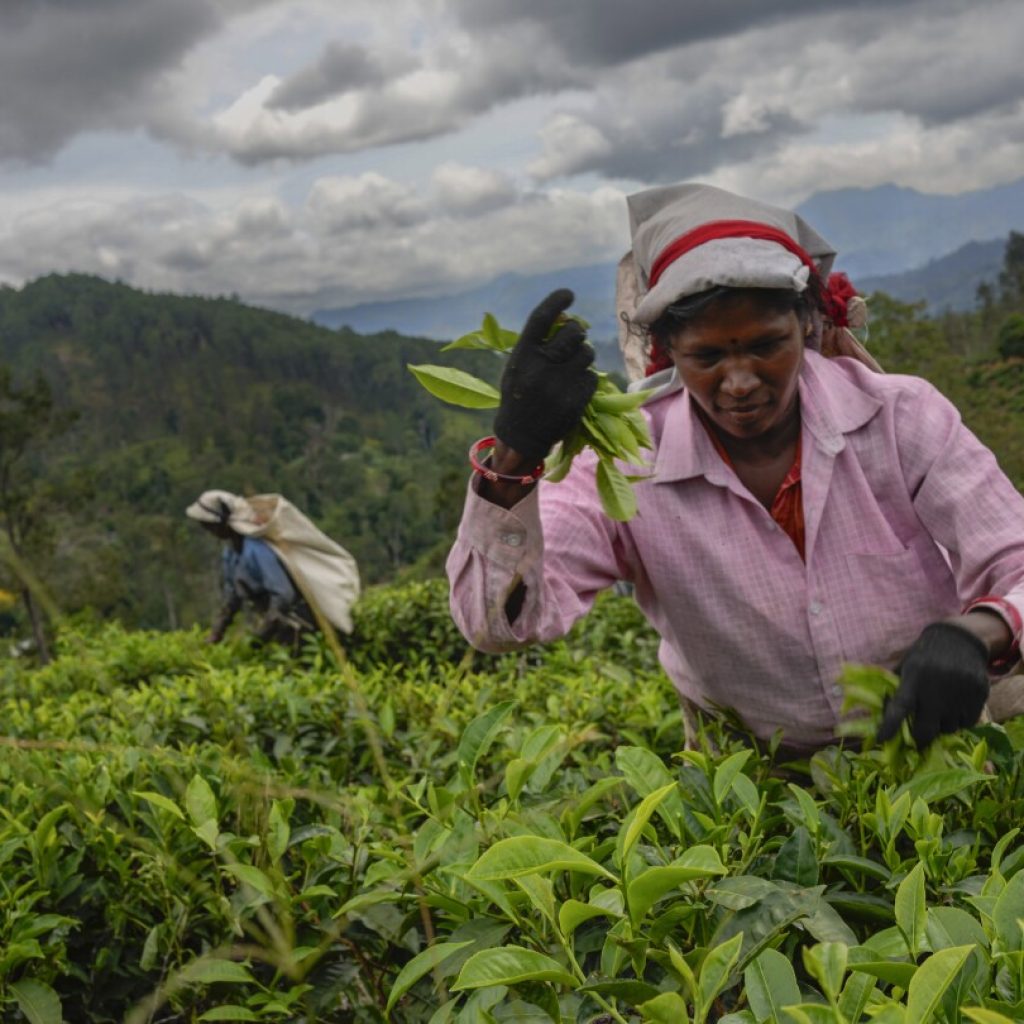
931, 980
457, 387
647, 888
524, 855
161, 801
770, 985
510, 965
421, 964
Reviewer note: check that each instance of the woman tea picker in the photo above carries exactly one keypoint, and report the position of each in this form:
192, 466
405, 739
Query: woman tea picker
801, 512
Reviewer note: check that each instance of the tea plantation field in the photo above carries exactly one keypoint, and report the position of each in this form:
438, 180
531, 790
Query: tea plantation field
195, 833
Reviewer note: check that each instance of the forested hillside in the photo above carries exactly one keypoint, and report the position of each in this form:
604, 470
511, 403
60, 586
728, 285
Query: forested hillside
174, 395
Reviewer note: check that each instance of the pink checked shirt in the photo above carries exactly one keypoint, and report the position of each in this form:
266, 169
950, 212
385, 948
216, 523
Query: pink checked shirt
908, 517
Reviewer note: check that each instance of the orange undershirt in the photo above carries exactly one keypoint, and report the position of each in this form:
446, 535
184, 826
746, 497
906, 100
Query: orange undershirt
787, 505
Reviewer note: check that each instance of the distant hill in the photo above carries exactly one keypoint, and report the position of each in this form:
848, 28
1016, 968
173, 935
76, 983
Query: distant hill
888, 230
509, 297
947, 283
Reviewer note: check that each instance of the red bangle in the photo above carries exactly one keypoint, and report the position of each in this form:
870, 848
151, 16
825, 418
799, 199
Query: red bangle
488, 443
1009, 614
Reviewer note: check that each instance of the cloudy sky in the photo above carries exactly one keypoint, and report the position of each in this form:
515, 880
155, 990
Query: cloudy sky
313, 153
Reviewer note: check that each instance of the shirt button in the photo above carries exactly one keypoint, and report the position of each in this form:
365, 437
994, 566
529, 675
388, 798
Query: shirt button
513, 540
837, 690
815, 607
772, 525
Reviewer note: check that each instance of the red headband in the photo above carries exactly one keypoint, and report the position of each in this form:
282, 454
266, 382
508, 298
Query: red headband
836, 294
725, 229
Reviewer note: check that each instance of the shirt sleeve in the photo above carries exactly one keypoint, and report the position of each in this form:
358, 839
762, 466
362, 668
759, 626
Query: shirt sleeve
556, 541
963, 498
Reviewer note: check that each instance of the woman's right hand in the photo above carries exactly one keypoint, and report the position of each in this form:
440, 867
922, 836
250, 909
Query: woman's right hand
547, 382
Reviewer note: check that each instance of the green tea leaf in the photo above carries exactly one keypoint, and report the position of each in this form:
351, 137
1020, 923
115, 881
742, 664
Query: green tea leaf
826, 962
479, 735
892, 972
982, 1016
726, 772
808, 808
252, 877
911, 915
278, 832
457, 387
717, 966
814, 1013
39, 1002
525, 855
1008, 913
939, 785
573, 913
229, 1012
423, 963
200, 802
770, 985
668, 1008
797, 860
640, 819
931, 980
211, 970
856, 994
646, 772
161, 801
510, 965
646, 889
615, 491
631, 991
621, 401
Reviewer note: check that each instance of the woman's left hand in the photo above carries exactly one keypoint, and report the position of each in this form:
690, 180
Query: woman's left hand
943, 684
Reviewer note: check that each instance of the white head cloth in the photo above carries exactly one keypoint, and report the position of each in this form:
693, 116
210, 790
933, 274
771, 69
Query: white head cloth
658, 216
231, 510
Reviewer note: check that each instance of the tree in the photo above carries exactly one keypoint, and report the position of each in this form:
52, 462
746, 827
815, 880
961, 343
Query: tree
1011, 277
28, 418
1011, 336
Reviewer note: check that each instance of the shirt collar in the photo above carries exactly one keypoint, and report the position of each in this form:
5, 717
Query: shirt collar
831, 405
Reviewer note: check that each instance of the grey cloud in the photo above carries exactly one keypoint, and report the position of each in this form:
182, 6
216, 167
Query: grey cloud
661, 139
73, 65
952, 68
393, 111
603, 32
341, 68
395, 242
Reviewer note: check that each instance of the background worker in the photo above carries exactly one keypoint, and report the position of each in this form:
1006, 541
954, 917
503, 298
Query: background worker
252, 575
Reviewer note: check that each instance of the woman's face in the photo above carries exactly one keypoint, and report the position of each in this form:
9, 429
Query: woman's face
740, 360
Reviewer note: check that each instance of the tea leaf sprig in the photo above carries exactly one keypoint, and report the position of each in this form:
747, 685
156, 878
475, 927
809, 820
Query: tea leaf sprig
612, 426
866, 690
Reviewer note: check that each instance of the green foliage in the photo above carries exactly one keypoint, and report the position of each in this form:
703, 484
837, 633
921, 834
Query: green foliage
612, 426
1011, 336
200, 833
176, 395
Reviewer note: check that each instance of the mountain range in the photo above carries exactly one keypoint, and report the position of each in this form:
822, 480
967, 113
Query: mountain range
912, 245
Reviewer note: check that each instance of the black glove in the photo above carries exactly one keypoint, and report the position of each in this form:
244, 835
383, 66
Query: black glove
547, 383
943, 684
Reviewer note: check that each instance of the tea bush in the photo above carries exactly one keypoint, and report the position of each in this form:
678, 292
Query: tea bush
191, 833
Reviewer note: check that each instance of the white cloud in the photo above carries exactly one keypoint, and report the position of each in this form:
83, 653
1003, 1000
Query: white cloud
462, 190
297, 108
370, 202
352, 240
